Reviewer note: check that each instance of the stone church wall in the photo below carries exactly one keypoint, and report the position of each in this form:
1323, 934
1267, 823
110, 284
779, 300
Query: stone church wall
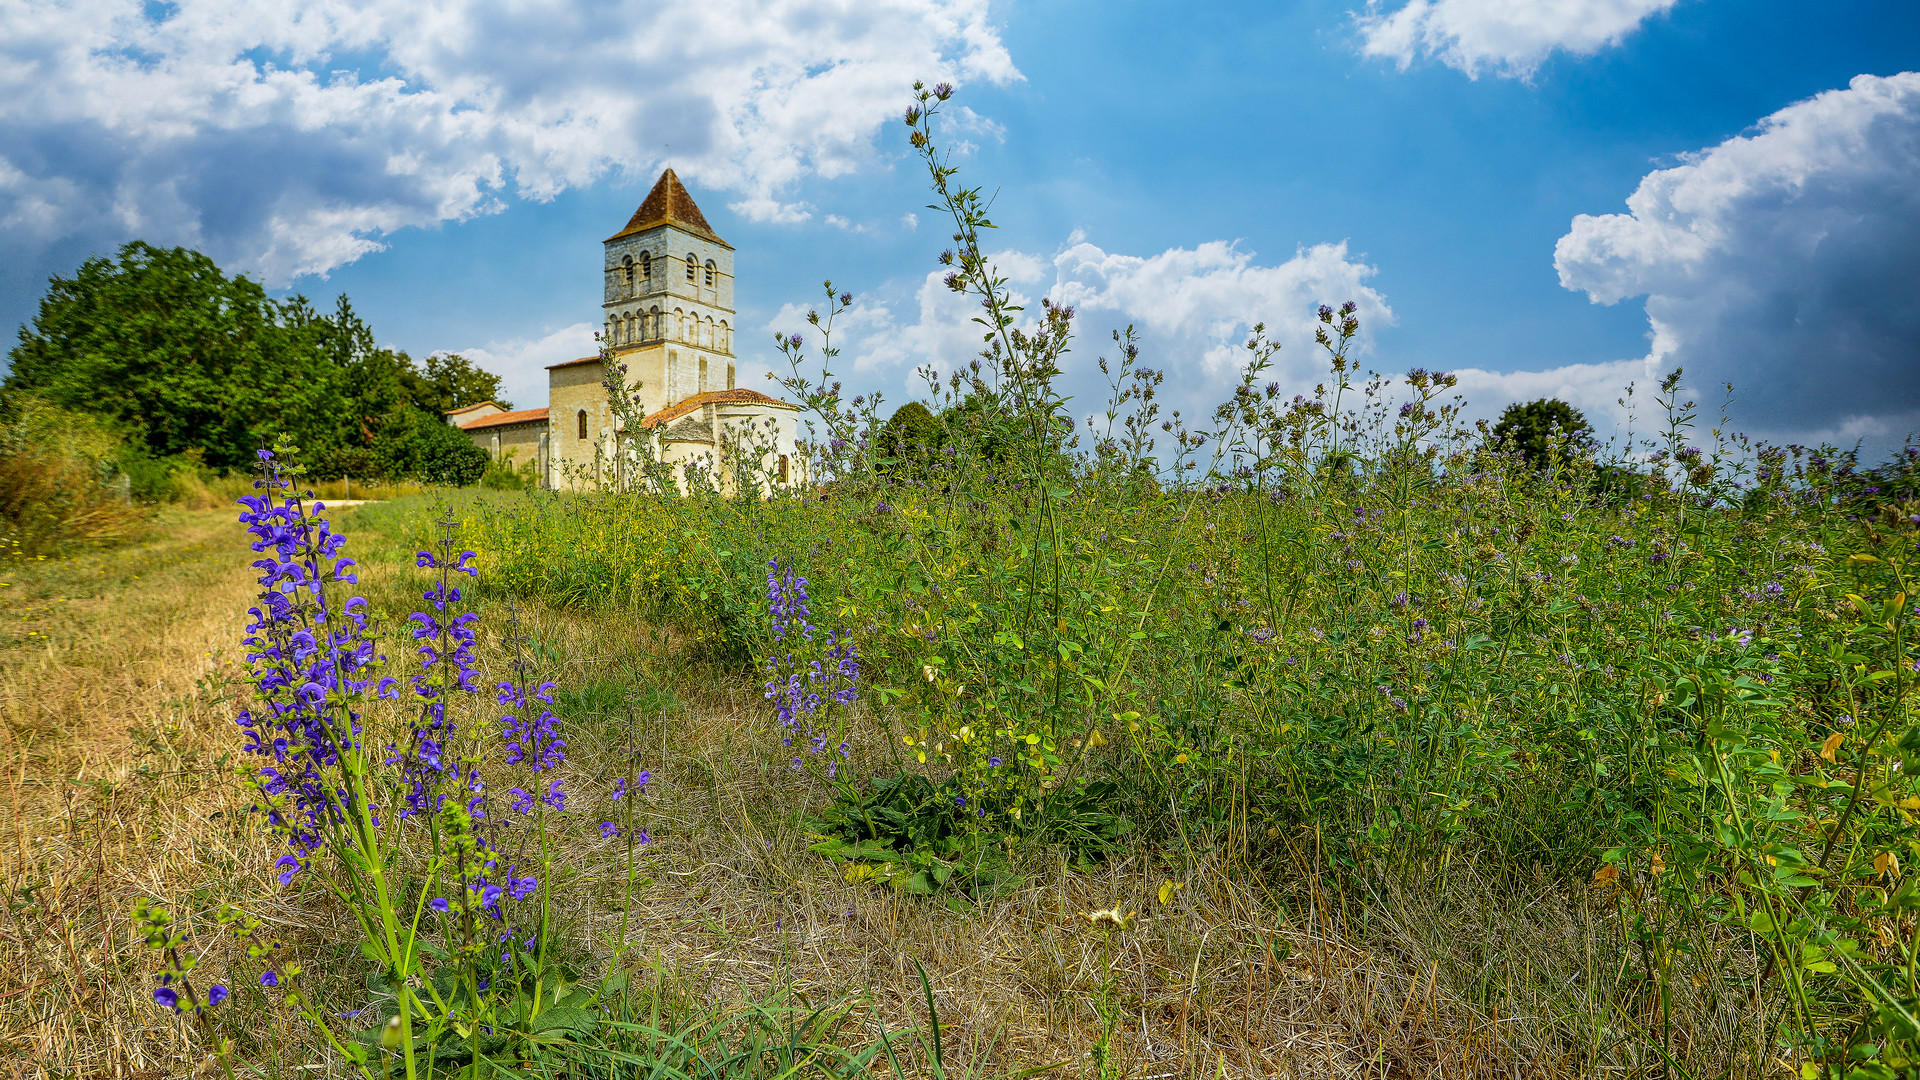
572, 390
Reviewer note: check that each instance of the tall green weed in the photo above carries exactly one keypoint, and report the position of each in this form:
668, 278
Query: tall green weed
61, 488
1351, 627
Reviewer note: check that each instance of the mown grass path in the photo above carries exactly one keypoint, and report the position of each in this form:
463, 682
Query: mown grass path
117, 672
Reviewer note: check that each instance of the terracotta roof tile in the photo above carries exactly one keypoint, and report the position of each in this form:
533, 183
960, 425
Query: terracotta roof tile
470, 408
571, 363
524, 416
697, 402
669, 204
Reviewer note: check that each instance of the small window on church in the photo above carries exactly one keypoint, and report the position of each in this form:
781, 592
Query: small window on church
581, 421
692, 266
709, 271
628, 264
646, 265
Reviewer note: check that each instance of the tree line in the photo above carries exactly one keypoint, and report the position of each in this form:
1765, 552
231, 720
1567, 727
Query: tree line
191, 367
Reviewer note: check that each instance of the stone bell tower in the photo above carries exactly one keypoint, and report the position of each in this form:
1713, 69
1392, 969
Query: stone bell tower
668, 302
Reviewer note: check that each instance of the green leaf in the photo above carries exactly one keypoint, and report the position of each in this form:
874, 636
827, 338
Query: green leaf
564, 1018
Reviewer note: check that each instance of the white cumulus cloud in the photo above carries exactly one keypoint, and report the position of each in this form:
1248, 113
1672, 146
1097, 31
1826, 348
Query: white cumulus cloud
1193, 309
1199, 304
522, 363
1783, 261
1508, 37
290, 139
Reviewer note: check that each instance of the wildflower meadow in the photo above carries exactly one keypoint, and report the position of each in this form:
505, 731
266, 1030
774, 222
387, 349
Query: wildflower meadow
1326, 735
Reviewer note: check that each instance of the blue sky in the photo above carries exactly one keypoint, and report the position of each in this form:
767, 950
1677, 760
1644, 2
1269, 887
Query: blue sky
1463, 168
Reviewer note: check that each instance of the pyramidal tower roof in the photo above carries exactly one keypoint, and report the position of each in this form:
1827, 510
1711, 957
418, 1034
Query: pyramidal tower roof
669, 204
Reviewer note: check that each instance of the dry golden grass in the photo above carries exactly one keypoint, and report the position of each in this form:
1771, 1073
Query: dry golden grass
118, 676
115, 671
1239, 976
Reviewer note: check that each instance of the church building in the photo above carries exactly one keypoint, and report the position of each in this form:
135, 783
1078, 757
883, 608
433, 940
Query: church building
668, 315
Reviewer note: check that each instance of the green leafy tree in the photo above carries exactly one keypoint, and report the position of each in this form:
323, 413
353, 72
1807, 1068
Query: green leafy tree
1541, 430
448, 381
175, 353
195, 366
912, 435
410, 443
991, 432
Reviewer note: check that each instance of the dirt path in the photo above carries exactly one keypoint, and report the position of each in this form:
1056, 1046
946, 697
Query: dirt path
117, 671
98, 647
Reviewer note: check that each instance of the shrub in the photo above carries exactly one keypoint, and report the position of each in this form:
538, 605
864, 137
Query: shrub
912, 436
503, 475
414, 446
1543, 432
61, 487
347, 463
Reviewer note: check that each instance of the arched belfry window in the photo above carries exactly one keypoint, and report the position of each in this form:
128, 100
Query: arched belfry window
646, 265
580, 420
709, 272
627, 265
693, 265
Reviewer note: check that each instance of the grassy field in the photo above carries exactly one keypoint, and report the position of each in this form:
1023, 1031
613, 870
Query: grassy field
117, 674
1327, 736
120, 682
1262, 955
